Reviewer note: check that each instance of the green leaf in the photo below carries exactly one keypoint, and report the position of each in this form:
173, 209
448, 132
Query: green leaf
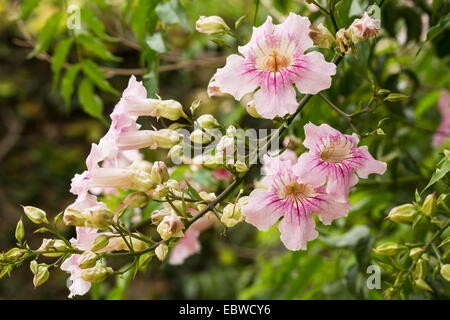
46, 34
144, 18
60, 57
95, 24
27, 8
348, 239
156, 42
91, 103
93, 72
67, 84
308, 269
96, 47
363, 250
151, 77
439, 173
122, 281
438, 28
172, 12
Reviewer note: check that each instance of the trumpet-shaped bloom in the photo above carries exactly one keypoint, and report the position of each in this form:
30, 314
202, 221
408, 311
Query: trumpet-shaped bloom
274, 60
76, 284
335, 158
295, 201
443, 130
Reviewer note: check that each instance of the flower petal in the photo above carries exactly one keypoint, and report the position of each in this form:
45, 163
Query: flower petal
315, 73
258, 213
270, 103
297, 230
313, 134
298, 28
310, 170
370, 165
258, 32
235, 78
333, 210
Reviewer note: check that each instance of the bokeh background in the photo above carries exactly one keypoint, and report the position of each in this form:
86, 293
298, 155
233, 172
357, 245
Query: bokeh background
43, 142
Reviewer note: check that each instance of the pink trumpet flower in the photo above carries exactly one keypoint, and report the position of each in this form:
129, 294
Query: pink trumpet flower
274, 60
295, 201
335, 158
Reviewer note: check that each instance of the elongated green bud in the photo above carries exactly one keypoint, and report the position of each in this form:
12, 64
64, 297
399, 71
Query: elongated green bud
388, 249
403, 214
36, 215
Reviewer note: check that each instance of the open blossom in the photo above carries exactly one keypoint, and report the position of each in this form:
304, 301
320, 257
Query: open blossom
77, 285
295, 201
274, 60
443, 130
335, 158
189, 244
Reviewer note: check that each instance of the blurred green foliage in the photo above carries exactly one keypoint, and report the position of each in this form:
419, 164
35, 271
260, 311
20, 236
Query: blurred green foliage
57, 85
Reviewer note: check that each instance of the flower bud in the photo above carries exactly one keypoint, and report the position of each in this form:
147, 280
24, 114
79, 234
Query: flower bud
415, 253
445, 271
212, 25
56, 245
200, 137
160, 191
14, 254
20, 231
36, 215
100, 242
232, 215
364, 28
97, 217
421, 284
402, 214
251, 109
170, 226
388, 249
142, 181
343, 43
240, 166
231, 131
96, 274
429, 205
136, 200
166, 138
41, 275
207, 121
159, 172
169, 109
34, 266
161, 251
447, 154
158, 215
87, 260
419, 270
141, 165
175, 152
119, 244
321, 36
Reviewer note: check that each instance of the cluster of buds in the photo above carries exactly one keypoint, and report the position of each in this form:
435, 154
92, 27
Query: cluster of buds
361, 29
410, 212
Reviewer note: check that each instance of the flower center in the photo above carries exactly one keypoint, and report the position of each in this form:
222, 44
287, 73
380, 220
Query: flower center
275, 61
297, 191
336, 151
